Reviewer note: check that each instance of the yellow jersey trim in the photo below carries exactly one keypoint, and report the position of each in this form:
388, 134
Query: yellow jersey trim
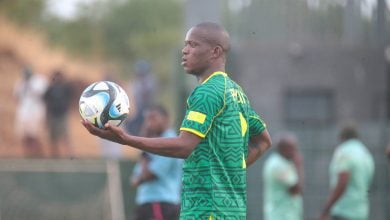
243, 162
244, 125
214, 74
193, 131
196, 116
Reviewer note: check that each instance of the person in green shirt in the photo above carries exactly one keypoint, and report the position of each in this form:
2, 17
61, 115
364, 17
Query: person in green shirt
351, 172
220, 136
283, 177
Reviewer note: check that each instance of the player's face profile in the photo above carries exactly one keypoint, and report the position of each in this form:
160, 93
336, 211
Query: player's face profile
195, 52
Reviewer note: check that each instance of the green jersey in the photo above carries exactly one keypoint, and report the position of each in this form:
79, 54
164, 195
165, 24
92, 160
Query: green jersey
353, 157
214, 178
279, 175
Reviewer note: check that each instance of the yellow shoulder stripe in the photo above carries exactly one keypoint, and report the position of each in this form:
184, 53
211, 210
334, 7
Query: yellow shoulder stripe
193, 131
196, 116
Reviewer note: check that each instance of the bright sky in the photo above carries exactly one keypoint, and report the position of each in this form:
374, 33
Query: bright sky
67, 8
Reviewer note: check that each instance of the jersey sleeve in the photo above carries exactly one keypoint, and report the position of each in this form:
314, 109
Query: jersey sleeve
286, 175
256, 124
202, 106
343, 162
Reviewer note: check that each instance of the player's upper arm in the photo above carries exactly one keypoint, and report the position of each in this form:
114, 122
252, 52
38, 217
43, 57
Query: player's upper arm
344, 163
256, 124
204, 105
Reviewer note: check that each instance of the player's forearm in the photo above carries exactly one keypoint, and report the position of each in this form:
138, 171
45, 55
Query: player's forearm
169, 147
145, 176
337, 192
298, 162
180, 146
335, 195
257, 146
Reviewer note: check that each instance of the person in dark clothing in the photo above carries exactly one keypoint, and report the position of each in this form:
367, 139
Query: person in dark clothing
58, 99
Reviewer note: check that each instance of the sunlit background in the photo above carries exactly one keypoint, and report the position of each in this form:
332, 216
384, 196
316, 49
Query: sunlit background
308, 66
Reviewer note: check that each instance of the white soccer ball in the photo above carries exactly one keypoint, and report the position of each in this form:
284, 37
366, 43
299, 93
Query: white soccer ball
104, 102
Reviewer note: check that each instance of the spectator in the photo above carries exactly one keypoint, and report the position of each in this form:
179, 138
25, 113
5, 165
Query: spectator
143, 89
58, 98
283, 177
30, 111
157, 178
351, 172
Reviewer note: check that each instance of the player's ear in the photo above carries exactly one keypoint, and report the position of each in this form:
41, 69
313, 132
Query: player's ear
217, 51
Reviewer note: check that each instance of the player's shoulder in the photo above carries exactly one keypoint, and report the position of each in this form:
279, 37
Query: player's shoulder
213, 86
217, 78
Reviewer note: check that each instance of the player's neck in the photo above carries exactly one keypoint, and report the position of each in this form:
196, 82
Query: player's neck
207, 73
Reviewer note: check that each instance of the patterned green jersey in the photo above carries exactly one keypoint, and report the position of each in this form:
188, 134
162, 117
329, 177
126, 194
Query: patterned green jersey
214, 179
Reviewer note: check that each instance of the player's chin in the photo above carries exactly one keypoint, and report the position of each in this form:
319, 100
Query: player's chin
187, 69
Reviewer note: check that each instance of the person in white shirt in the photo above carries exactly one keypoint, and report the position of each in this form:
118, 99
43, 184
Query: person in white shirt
30, 111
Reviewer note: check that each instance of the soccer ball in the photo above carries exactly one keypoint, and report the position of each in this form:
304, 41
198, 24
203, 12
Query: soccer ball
104, 102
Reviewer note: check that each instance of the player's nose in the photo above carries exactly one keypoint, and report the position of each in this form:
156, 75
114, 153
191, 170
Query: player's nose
184, 50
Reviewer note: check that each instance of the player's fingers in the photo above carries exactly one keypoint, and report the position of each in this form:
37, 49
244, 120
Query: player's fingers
85, 124
92, 129
111, 128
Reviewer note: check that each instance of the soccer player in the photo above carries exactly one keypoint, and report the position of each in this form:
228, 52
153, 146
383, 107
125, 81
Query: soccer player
283, 174
219, 137
351, 172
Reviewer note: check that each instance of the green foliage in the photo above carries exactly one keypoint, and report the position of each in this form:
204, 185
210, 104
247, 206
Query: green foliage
113, 31
23, 12
121, 31
75, 36
141, 28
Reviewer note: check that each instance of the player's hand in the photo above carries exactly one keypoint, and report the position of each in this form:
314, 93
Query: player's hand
324, 216
388, 152
135, 182
109, 132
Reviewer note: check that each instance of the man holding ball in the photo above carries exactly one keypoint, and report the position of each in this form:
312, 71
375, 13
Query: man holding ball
219, 137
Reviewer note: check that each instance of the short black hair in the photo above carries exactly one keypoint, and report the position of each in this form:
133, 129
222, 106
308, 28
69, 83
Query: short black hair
349, 131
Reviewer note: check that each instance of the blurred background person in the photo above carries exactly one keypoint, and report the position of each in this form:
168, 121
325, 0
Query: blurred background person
157, 178
388, 152
283, 178
143, 90
30, 111
58, 97
351, 173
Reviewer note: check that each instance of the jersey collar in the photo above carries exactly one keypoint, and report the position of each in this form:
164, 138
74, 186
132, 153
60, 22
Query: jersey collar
214, 74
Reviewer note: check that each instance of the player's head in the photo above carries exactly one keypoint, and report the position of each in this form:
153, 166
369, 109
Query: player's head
205, 46
57, 76
286, 144
349, 131
156, 119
